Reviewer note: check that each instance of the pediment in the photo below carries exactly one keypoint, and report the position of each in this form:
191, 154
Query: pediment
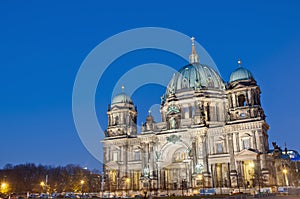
246, 154
112, 164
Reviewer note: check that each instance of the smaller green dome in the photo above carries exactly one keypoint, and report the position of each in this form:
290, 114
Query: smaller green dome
240, 73
122, 98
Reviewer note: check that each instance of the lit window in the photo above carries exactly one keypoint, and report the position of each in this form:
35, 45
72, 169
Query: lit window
193, 111
115, 156
246, 143
186, 112
219, 148
137, 155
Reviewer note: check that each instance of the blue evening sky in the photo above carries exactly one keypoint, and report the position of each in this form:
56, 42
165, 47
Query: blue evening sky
43, 43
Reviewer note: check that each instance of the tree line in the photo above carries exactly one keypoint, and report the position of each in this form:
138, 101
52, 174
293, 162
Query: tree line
33, 178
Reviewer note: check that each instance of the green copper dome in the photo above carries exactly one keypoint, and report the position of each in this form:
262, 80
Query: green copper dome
122, 98
195, 75
240, 73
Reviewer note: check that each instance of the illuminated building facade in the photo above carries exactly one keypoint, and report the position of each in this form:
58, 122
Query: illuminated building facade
212, 134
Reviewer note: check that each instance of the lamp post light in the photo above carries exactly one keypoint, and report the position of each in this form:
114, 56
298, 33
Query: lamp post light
127, 183
285, 171
82, 183
42, 183
4, 187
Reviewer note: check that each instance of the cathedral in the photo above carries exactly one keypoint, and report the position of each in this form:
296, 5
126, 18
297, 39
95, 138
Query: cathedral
212, 134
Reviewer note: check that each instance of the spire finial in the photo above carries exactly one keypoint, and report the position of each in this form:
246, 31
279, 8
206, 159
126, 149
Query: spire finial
239, 62
193, 45
149, 112
193, 40
194, 58
123, 88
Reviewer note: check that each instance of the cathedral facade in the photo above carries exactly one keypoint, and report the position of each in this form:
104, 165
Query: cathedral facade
212, 134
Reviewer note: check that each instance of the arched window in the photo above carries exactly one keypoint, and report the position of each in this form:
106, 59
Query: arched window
186, 113
246, 143
219, 147
116, 120
115, 156
210, 82
242, 100
185, 83
192, 111
137, 155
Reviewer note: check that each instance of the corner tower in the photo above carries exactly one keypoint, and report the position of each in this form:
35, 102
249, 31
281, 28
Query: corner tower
246, 127
243, 96
122, 116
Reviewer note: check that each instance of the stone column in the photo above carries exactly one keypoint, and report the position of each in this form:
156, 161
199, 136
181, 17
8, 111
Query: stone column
204, 153
143, 156
151, 156
126, 148
233, 100
146, 154
214, 175
250, 98
194, 152
230, 101
265, 171
232, 169
254, 140
207, 111
237, 140
228, 175
158, 175
231, 151
206, 173
247, 98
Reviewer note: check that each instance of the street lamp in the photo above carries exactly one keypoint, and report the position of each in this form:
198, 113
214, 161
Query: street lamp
82, 182
285, 171
4, 187
127, 181
42, 185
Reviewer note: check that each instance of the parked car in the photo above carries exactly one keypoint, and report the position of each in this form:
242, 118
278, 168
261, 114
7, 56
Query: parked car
206, 192
33, 195
45, 196
235, 192
283, 190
